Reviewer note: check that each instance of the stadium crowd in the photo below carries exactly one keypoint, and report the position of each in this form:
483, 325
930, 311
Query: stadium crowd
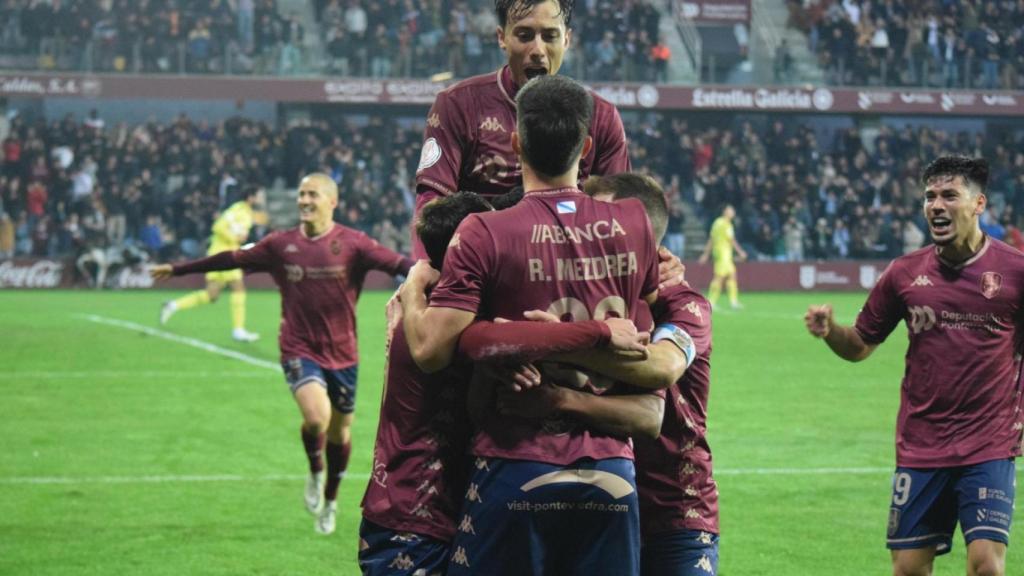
968, 44
71, 185
615, 39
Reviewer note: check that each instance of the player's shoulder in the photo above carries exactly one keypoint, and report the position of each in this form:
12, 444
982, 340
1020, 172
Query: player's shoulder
683, 295
471, 87
603, 106
1005, 251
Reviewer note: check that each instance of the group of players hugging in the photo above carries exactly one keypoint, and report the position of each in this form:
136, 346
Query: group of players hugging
545, 397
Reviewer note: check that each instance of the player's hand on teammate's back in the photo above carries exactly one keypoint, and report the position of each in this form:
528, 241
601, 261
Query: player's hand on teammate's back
540, 402
671, 270
161, 271
393, 311
819, 320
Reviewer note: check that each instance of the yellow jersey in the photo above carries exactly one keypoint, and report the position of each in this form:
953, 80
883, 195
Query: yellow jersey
722, 234
231, 230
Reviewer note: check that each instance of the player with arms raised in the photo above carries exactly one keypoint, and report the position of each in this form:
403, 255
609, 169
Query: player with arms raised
557, 497
467, 144
319, 268
960, 421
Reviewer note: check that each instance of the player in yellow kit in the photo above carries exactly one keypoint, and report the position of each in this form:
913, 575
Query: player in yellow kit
229, 232
721, 243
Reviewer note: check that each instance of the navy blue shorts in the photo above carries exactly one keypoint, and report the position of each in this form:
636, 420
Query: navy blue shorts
521, 518
385, 552
927, 503
340, 384
680, 553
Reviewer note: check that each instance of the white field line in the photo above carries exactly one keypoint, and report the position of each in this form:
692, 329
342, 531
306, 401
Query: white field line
196, 478
65, 374
212, 348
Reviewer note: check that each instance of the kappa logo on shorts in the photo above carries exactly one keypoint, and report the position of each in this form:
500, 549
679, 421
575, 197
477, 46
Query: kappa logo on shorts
473, 493
467, 525
705, 538
705, 564
402, 562
459, 557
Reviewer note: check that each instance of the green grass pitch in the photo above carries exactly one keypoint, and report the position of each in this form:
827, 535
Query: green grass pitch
127, 453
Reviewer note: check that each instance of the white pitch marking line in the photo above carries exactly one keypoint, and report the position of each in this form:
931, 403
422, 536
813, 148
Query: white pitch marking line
163, 479
56, 375
212, 348
187, 478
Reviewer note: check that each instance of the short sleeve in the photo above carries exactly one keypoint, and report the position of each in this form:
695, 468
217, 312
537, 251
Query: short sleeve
467, 263
259, 256
444, 145
612, 154
883, 310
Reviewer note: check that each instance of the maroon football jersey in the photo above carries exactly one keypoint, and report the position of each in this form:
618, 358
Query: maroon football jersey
960, 400
419, 457
560, 251
673, 473
467, 144
320, 280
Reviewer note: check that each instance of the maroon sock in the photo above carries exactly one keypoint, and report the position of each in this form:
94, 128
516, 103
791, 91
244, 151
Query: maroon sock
337, 462
314, 445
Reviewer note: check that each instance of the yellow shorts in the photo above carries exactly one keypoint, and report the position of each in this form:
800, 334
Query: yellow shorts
224, 276
725, 267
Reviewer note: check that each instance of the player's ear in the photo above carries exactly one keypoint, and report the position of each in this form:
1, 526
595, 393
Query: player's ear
568, 37
588, 145
501, 38
982, 203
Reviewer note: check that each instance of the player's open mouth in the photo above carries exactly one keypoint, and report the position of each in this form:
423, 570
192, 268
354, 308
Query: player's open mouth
534, 71
940, 225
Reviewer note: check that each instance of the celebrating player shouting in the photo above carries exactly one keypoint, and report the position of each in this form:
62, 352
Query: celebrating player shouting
960, 421
467, 144
319, 268
550, 498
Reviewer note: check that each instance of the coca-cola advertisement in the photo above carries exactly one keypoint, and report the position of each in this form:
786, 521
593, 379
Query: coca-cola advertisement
32, 274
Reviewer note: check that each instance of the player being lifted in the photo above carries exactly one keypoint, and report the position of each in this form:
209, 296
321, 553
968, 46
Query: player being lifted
467, 144
229, 232
959, 425
319, 268
721, 243
561, 251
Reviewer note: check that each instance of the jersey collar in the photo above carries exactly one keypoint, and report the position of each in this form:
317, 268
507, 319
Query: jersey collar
506, 84
302, 231
981, 252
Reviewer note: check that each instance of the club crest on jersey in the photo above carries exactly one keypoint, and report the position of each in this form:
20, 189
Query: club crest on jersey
335, 247
566, 207
991, 282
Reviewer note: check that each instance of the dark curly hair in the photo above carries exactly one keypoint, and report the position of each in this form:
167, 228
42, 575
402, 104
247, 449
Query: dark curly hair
973, 170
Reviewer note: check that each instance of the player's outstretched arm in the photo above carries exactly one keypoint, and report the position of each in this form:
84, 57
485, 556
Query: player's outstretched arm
844, 341
635, 415
221, 261
432, 333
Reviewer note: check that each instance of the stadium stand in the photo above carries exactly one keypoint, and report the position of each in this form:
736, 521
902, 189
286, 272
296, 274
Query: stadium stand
802, 190
975, 45
616, 39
